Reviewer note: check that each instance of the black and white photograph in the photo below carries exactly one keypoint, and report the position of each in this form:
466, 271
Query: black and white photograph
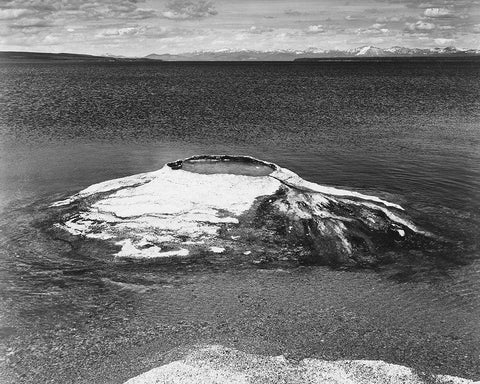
240, 191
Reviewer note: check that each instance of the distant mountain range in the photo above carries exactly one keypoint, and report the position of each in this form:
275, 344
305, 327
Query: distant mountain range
45, 56
366, 52
289, 55
14, 55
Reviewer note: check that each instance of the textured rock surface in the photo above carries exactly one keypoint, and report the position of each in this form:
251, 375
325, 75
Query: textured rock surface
235, 205
217, 364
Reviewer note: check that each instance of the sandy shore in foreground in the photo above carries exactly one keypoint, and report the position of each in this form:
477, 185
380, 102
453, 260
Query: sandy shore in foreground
312, 312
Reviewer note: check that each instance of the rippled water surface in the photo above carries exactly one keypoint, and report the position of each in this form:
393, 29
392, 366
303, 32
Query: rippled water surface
408, 132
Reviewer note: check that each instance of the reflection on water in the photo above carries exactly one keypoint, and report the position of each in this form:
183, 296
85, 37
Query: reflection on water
68, 318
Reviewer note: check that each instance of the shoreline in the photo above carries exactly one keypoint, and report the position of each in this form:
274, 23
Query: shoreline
326, 314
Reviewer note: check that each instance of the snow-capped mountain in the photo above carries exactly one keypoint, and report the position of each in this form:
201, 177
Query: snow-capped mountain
237, 55
370, 51
312, 53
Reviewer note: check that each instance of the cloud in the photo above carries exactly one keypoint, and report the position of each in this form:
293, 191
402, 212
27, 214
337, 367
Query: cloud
36, 22
385, 19
438, 13
259, 30
74, 9
374, 29
124, 31
8, 14
70, 23
187, 9
420, 25
441, 41
129, 27
31, 22
316, 29
292, 12
422, 4
115, 9
121, 33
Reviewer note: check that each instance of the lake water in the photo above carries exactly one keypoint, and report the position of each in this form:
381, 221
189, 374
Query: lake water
408, 132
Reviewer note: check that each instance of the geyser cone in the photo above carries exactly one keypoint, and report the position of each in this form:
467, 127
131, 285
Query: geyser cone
235, 205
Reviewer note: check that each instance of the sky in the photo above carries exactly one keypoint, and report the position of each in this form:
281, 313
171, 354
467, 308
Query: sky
141, 27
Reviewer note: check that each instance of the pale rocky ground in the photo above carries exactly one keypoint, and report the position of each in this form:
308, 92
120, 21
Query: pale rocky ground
217, 365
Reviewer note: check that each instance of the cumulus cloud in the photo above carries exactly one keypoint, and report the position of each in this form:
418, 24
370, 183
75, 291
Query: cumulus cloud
316, 29
420, 25
259, 30
187, 9
13, 13
129, 26
116, 9
438, 13
68, 9
386, 19
441, 41
72, 25
374, 29
123, 31
37, 22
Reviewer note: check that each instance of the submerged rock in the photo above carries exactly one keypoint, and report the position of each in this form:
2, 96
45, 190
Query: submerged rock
235, 205
217, 364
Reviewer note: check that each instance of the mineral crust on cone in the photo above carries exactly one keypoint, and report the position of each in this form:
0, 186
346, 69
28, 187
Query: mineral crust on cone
235, 205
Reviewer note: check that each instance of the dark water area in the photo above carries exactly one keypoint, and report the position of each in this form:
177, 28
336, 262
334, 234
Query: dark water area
406, 132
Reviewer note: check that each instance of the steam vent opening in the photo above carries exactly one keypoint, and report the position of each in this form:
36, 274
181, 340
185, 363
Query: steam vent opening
233, 165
